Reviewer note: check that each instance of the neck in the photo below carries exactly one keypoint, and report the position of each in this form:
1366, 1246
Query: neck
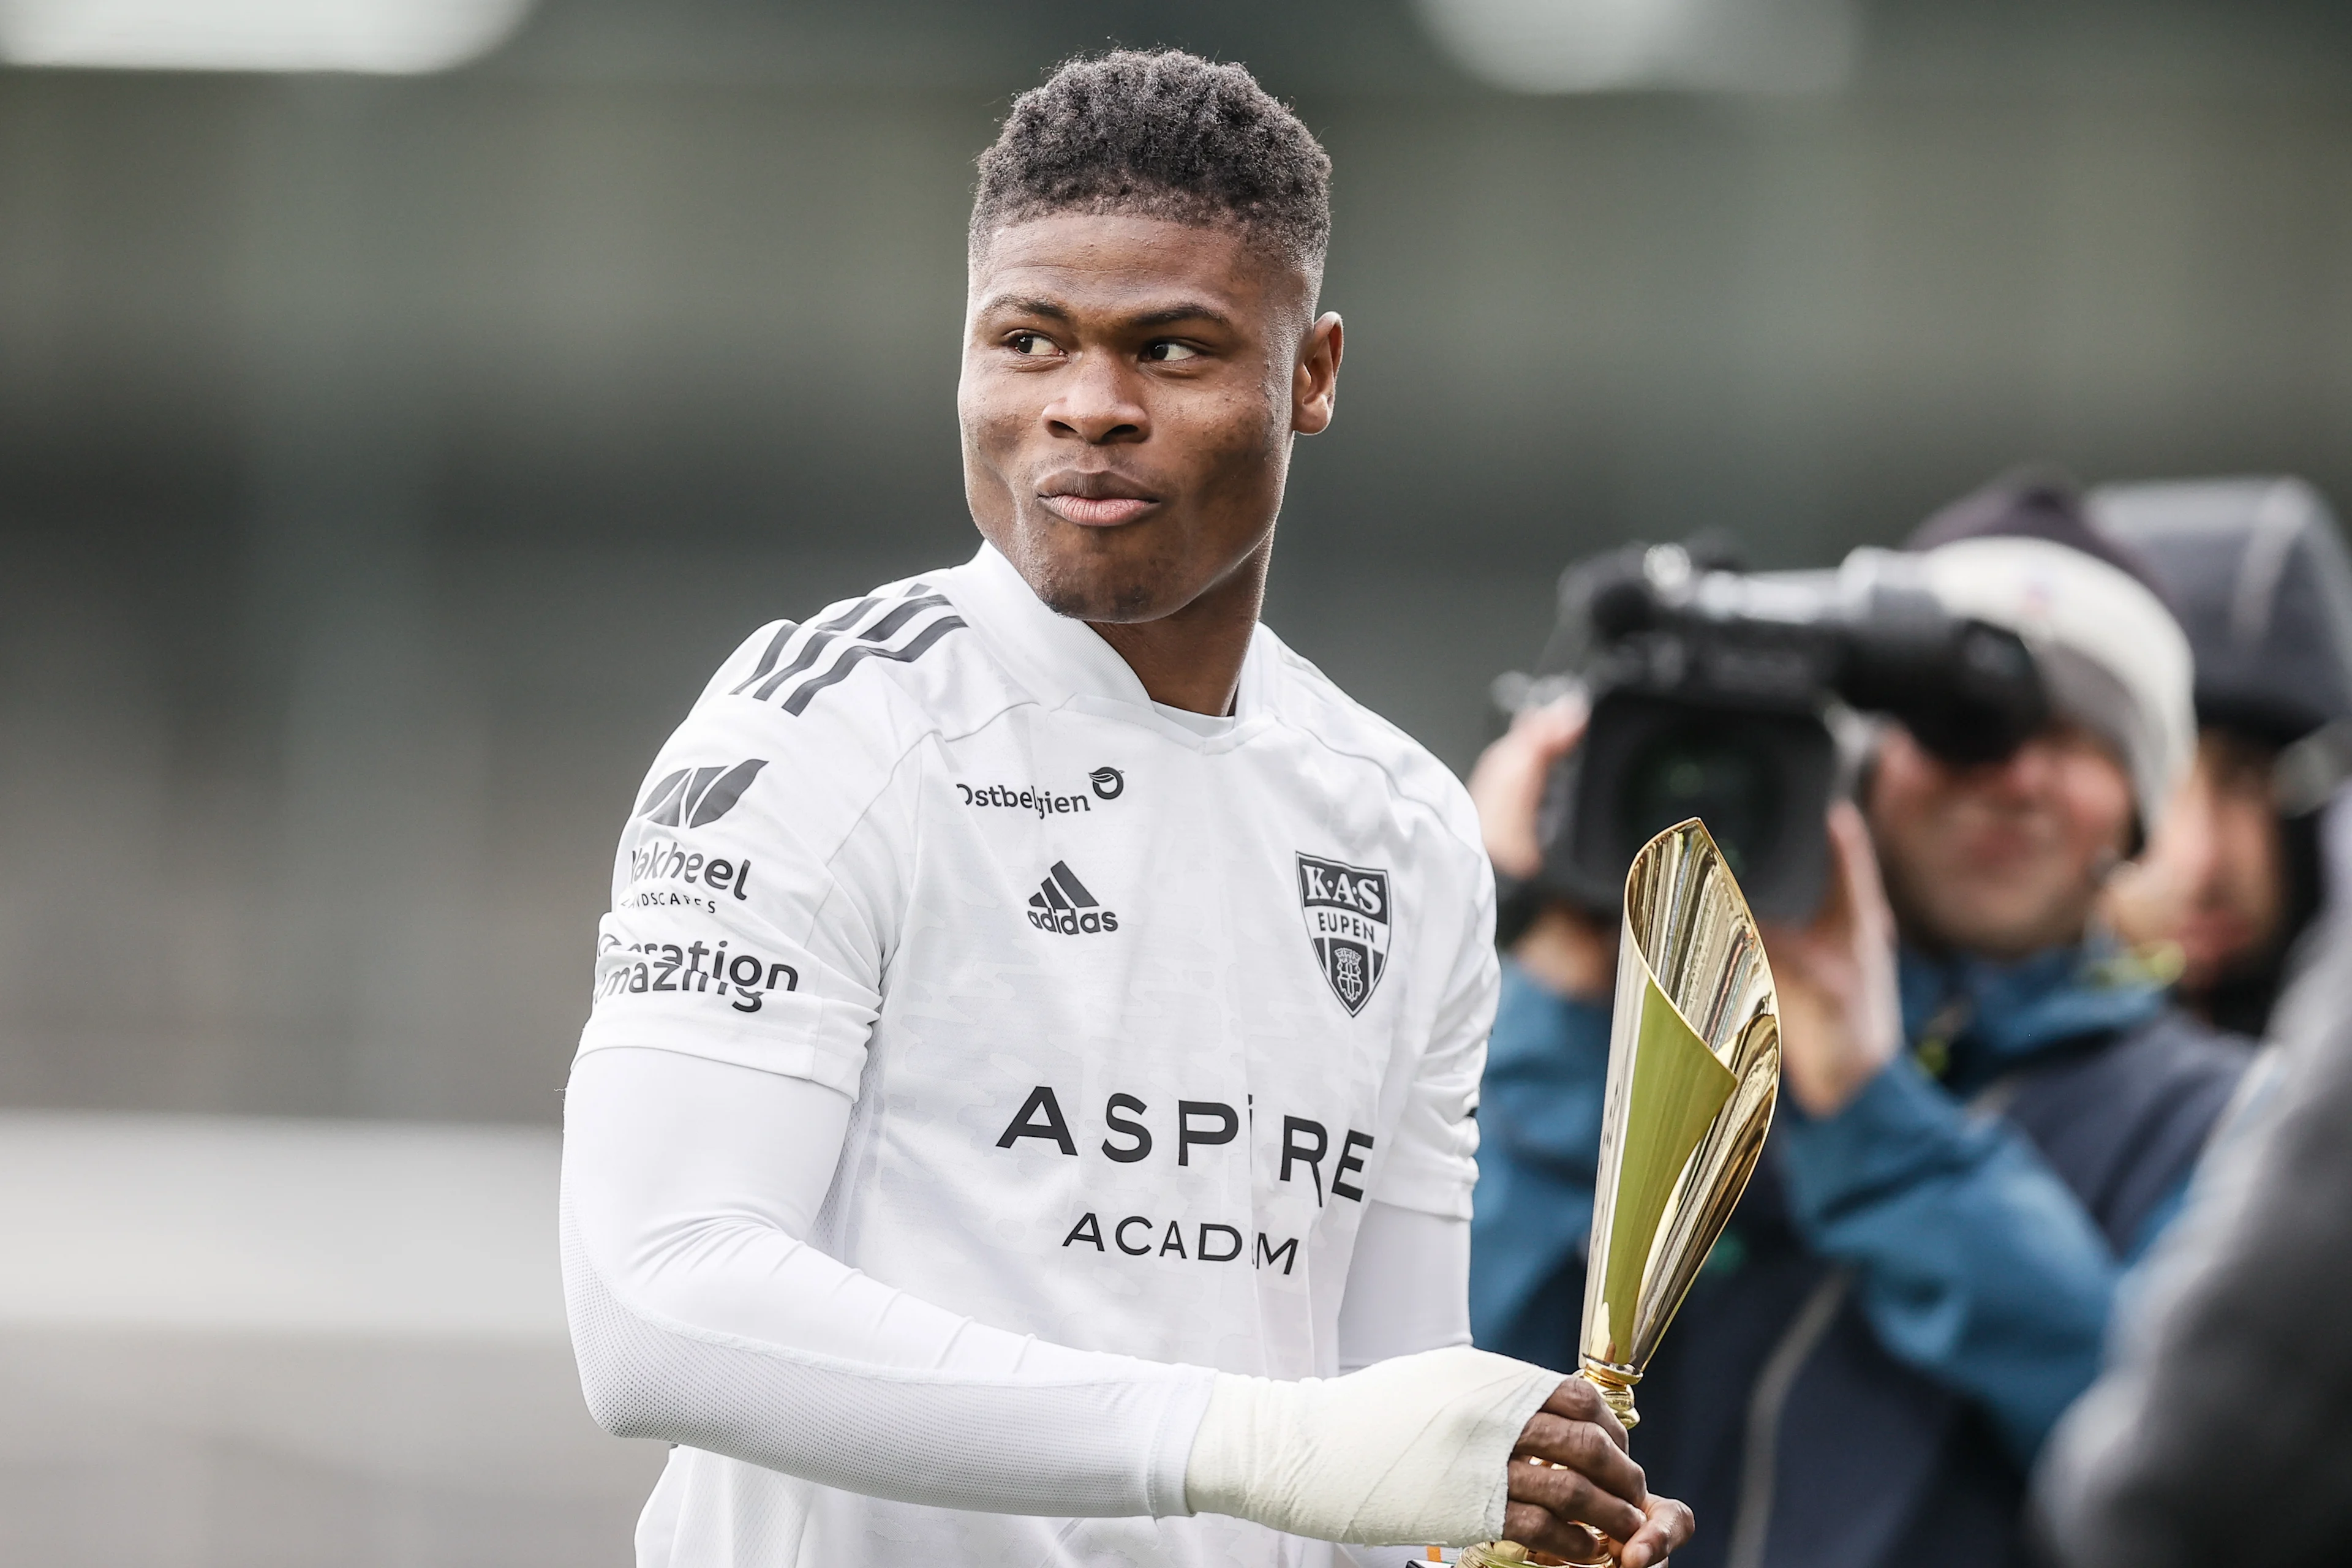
1193, 659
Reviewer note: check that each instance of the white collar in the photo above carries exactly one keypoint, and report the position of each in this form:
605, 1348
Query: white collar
1064, 662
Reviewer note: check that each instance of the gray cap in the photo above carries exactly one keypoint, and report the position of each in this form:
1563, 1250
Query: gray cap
2256, 571
2112, 657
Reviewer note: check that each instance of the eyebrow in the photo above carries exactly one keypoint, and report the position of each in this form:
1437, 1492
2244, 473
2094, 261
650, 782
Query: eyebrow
1026, 305
1189, 310
1166, 316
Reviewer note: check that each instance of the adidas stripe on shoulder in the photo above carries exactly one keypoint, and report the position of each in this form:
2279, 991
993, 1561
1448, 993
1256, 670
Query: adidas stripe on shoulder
799, 661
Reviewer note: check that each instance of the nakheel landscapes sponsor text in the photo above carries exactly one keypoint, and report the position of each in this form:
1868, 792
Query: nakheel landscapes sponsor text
703, 878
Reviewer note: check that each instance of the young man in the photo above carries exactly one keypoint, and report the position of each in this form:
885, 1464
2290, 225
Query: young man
2256, 569
1977, 1135
1037, 1029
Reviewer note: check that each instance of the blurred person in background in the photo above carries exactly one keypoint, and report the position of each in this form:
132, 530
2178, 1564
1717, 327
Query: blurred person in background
1025, 1116
1979, 1131
2257, 573
2229, 1393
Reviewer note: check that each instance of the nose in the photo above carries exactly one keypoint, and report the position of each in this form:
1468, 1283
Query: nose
2190, 843
2027, 772
1097, 404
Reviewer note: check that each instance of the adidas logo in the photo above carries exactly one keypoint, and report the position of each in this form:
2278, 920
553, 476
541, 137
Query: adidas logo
1062, 903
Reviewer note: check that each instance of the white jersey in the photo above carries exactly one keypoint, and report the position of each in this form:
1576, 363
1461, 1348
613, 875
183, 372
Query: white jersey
1137, 1009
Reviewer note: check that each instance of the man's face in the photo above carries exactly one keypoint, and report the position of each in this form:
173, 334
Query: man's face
1130, 388
1999, 860
2214, 877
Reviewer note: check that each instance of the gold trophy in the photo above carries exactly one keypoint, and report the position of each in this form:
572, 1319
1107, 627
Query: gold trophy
1693, 1070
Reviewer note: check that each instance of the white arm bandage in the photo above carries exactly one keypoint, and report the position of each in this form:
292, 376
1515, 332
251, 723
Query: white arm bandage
700, 1316
1409, 1450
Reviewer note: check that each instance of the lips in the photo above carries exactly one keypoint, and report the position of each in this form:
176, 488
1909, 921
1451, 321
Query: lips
1094, 500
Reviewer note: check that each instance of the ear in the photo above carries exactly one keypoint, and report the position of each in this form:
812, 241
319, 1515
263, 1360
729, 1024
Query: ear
1315, 383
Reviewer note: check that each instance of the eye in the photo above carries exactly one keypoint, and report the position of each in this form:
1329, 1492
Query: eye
1030, 345
1164, 351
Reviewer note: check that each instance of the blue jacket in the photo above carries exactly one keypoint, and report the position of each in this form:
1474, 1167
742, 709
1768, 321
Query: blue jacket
1913, 1289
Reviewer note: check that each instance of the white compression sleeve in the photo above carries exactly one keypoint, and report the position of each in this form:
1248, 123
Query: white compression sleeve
1407, 1290
1408, 1285
699, 1316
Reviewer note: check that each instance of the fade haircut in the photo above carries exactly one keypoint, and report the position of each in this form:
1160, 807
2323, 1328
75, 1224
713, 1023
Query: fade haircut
1165, 135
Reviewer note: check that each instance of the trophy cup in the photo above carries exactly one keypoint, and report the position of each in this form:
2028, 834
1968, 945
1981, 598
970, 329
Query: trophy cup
1693, 1070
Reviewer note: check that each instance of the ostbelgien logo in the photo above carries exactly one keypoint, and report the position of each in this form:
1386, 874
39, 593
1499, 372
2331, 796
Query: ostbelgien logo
1062, 903
1347, 910
693, 797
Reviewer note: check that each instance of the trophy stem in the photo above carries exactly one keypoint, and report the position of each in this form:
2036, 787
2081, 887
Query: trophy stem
1616, 1386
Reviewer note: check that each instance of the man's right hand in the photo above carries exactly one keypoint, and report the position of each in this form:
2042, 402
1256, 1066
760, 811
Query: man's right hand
1571, 1470
1406, 1450
1841, 1003
1564, 949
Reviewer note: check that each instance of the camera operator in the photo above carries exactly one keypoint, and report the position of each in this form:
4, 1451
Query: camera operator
1989, 1111
2256, 570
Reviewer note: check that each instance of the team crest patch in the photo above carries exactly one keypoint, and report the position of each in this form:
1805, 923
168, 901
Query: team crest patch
1347, 910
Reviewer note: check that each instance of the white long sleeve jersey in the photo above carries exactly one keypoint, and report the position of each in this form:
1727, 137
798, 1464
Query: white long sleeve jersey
1137, 1016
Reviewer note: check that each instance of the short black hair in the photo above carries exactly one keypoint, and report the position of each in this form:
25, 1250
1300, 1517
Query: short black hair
1159, 133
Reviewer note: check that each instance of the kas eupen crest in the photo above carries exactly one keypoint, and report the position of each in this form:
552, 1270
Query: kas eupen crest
1347, 910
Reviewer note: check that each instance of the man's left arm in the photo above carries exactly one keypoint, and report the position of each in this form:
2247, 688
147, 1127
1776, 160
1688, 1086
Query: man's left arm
1408, 1285
1407, 1290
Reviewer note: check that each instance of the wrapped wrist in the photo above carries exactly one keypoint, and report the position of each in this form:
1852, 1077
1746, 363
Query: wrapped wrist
1408, 1451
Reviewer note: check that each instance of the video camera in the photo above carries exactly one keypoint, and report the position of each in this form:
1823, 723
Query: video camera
1712, 695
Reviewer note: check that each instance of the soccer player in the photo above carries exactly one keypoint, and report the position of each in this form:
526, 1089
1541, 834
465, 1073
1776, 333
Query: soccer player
1026, 1113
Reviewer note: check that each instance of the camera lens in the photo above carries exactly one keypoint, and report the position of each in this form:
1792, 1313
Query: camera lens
1689, 772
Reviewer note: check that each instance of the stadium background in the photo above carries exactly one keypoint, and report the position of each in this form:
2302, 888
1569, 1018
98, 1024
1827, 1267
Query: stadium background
386, 459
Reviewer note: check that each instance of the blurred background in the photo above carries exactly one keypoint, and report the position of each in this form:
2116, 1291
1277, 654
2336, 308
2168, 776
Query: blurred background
404, 404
